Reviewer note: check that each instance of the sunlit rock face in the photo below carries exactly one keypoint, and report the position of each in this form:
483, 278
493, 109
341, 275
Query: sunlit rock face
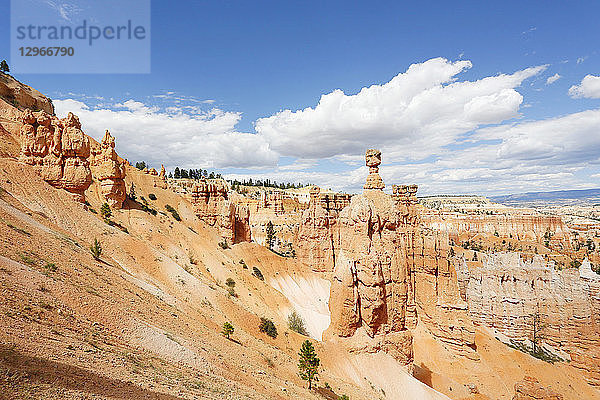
58, 149
213, 206
109, 171
530, 389
507, 291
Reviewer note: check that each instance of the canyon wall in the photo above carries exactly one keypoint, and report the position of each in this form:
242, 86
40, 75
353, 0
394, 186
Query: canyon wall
506, 292
530, 227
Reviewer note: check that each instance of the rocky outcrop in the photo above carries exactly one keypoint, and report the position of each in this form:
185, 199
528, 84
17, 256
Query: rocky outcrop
507, 291
373, 160
530, 389
109, 172
212, 205
23, 96
388, 269
57, 149
272, 200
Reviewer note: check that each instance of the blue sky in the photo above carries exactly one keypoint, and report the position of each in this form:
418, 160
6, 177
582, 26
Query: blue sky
222, 72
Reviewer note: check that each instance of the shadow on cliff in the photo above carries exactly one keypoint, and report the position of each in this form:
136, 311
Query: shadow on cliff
423, 374
37, 370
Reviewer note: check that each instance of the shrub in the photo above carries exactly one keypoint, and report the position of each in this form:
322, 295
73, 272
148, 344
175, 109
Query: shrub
51, 267
575, 264
152, 196
228, 330
173, 212
230, 283
296, 323
256, 272
243, 264
343, 397
146, 207
267, 326
232, 292
96, 249
224, 245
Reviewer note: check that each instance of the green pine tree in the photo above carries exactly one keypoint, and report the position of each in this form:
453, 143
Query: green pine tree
105, 211
228, 330
308, 363
4, 67
270, 235
96, 249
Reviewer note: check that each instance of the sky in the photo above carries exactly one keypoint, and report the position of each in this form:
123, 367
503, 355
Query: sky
465, 97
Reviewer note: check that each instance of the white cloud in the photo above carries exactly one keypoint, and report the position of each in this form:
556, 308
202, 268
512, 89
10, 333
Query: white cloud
414, 115
552, 79
202, 139
588, 88
581, 59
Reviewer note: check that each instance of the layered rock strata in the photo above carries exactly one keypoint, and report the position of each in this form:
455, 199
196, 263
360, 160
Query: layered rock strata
506, 292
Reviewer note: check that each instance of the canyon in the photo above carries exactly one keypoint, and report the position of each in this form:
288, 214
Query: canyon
402, 297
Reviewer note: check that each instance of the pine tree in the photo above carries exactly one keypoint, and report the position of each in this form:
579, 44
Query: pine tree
4, 67
132, 195
177, 174
308, 363
96, 249
105, 211
270, 235
228, 330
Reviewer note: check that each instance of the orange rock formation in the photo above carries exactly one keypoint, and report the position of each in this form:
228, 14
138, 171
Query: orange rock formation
58, 149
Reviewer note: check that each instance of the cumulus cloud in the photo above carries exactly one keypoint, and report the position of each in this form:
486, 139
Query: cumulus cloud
588, 88
552, 79
413, 115
173, 137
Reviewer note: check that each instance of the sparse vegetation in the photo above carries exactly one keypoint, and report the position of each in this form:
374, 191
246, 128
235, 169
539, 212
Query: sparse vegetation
105, 212
131, 194
50, 267
146, 207
308, 363
230, 283
296, 323
267, 326
270, 235
96, 249
256, 272
343, 397
151, 196
173, 212
4, 67
575, 264
228, 330
224, 245
243, 263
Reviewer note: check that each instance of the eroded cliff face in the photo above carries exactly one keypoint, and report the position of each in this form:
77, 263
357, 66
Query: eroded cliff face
58, 149
388, 270
109, 171
213, 206
506, 292
543, 229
